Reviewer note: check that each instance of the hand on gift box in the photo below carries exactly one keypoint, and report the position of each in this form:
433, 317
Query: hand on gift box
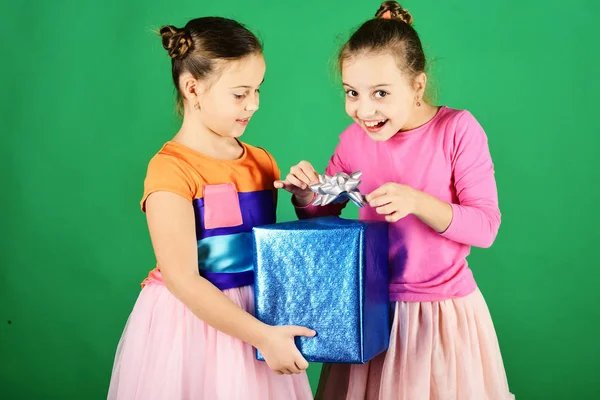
279, 349
393, 200
298, 182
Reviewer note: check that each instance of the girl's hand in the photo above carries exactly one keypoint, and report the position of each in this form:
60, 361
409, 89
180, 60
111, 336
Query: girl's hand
280, 351
297, 182
393, 200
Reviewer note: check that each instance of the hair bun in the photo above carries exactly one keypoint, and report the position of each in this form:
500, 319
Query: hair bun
395, 12
176, 41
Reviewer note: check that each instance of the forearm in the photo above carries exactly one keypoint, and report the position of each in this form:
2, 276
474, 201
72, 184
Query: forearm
210, 305
433, 212
473, 225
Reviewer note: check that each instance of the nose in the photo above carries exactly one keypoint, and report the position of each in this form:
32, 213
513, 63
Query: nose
252, 103
366, 110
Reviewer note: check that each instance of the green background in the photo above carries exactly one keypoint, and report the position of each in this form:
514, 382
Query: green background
87, 100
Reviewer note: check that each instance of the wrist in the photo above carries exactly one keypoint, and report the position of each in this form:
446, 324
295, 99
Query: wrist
303, 200
419, 198
258, 335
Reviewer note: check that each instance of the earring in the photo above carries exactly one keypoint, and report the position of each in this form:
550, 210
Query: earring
196, 106
418, 103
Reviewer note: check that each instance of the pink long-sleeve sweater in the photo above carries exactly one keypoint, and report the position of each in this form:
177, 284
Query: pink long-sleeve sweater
447, 158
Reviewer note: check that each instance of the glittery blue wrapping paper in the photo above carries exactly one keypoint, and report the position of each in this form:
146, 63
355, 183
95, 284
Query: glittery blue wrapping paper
328, 274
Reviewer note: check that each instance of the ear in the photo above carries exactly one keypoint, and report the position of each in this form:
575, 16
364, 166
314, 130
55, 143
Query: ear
191, 88
420, 84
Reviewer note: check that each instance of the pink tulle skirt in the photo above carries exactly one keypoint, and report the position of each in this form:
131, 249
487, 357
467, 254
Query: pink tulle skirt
445, 350
167, 353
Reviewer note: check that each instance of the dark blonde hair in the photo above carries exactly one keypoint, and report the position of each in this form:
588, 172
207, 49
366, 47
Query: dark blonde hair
197, 47
391, 31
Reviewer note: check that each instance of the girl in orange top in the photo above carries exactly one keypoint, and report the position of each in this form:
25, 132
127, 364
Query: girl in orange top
191, 332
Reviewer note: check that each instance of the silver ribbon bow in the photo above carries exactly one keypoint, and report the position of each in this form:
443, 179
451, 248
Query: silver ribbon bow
335, 189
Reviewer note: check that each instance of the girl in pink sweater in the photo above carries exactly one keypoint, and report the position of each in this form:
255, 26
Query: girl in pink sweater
428, 172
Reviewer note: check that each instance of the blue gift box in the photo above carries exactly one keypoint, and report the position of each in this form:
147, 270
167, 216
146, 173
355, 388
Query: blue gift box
328, 274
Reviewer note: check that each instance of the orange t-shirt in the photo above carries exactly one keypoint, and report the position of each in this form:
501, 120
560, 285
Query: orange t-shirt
178, 169
229, 198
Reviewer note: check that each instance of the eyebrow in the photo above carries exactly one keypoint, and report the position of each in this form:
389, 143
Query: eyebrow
246, 86
372, 87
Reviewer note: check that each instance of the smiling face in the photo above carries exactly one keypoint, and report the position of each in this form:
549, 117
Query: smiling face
227, 104
380, 97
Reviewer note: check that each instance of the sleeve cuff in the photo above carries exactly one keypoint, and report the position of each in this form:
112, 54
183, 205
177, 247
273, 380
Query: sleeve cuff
449, 233
306, 206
